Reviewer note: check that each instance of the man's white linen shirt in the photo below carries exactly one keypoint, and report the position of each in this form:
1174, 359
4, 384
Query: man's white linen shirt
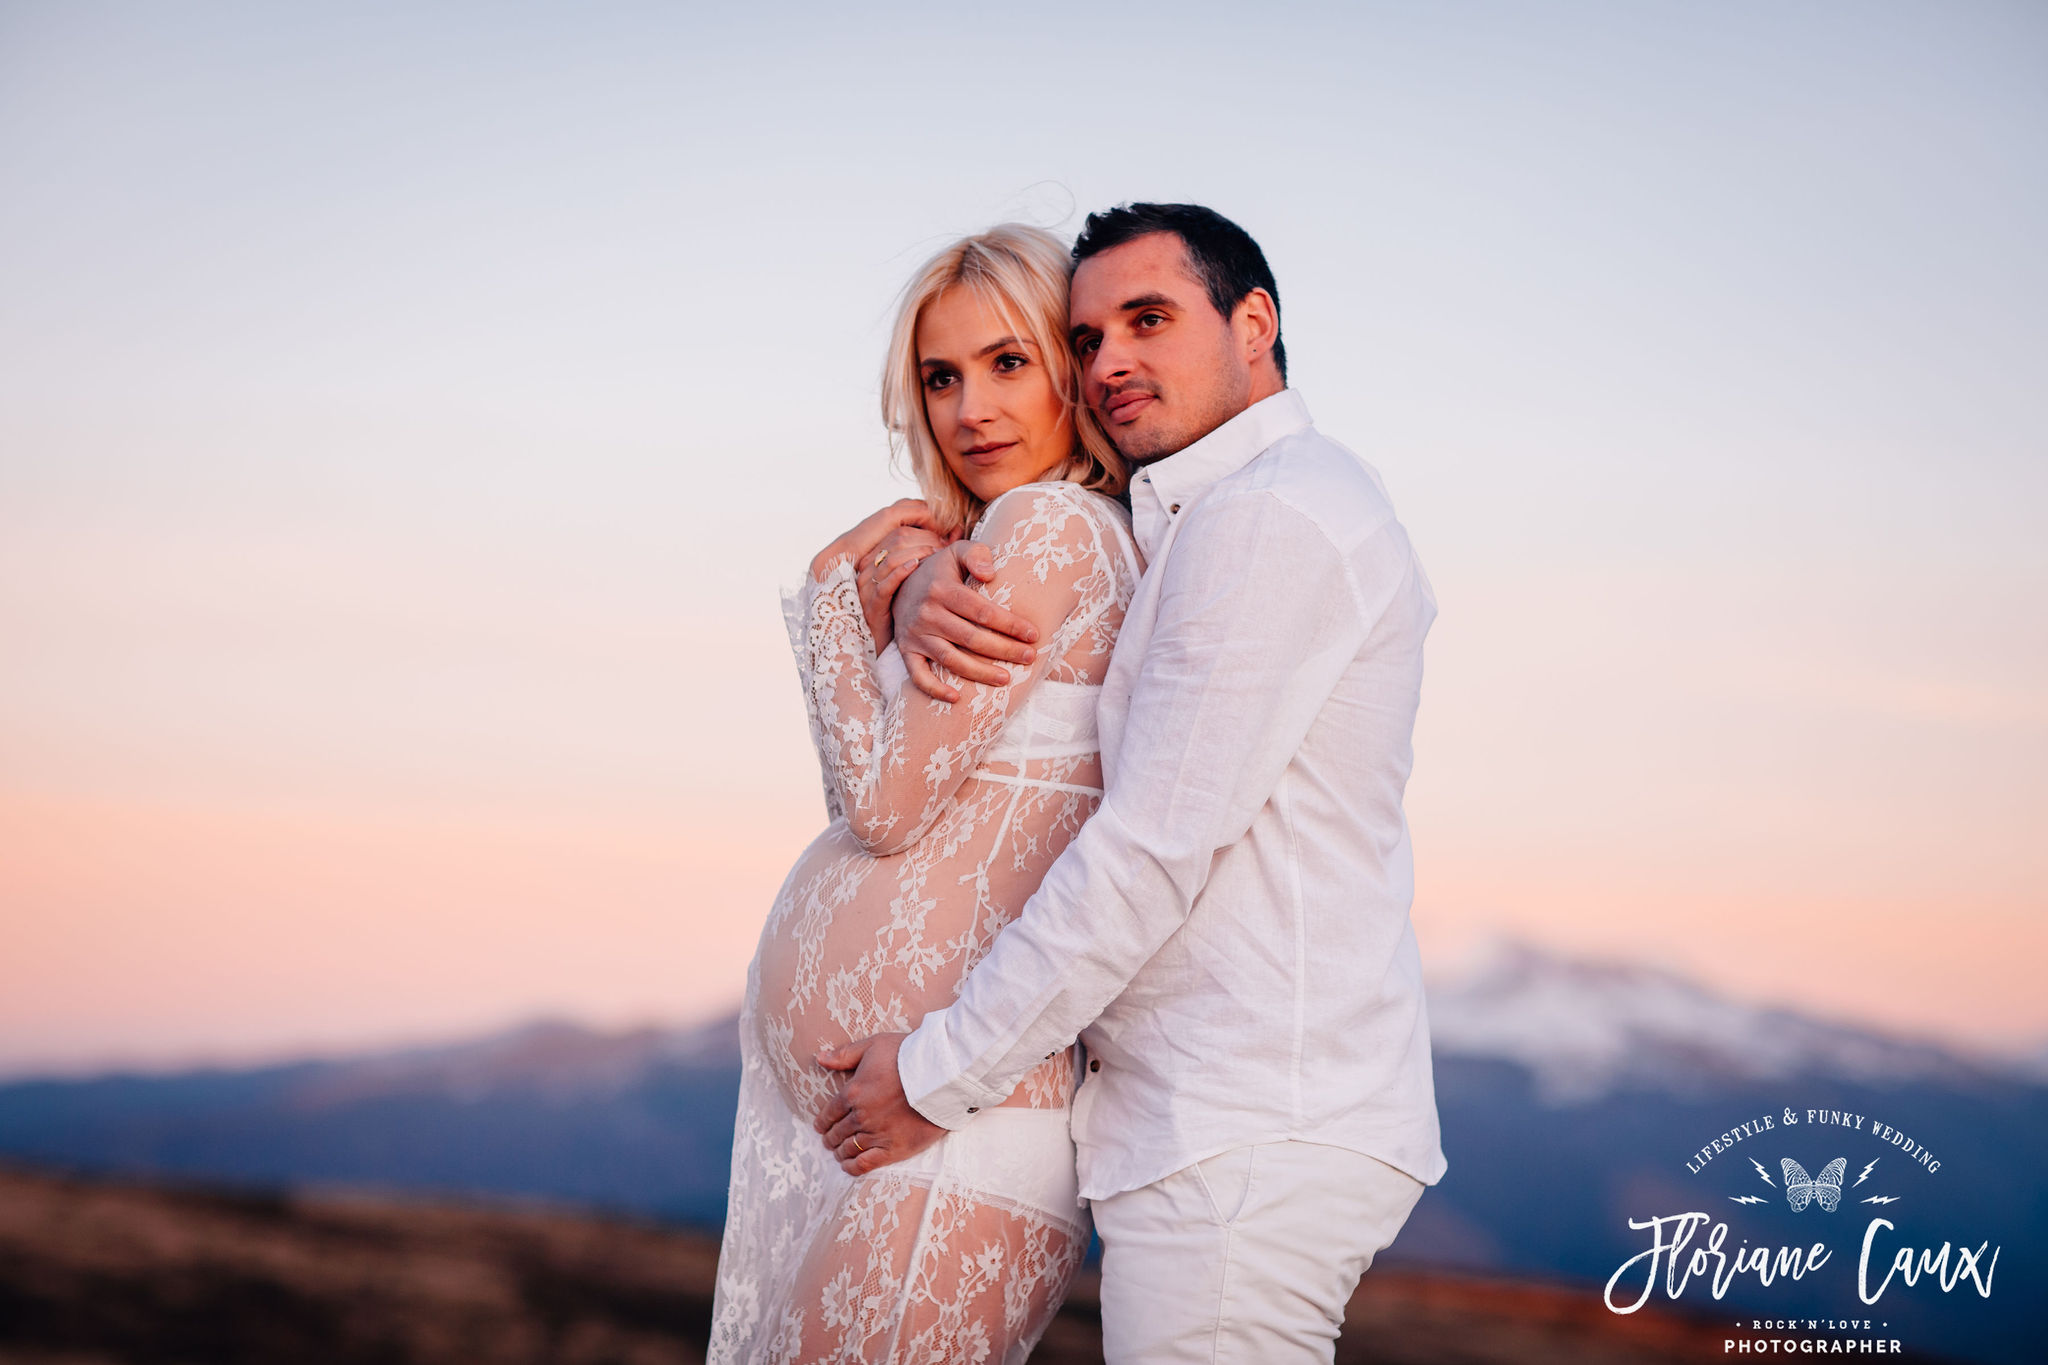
1229, 934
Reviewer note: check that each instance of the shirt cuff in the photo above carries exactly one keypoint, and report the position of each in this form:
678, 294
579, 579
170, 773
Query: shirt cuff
930, 1081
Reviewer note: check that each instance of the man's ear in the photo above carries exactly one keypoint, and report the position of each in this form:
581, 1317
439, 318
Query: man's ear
1256, 320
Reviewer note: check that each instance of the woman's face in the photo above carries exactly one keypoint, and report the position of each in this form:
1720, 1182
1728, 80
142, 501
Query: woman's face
989, 397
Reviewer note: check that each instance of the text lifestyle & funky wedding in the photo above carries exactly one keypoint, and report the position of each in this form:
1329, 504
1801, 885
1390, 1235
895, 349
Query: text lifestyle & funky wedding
1883, 1132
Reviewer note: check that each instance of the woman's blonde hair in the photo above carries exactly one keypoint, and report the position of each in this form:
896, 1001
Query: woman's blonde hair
1020, 273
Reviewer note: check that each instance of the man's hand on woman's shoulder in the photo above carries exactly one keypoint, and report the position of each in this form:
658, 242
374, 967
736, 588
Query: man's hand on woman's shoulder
941, 618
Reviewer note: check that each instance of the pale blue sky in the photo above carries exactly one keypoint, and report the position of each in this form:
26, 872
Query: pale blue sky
413, 408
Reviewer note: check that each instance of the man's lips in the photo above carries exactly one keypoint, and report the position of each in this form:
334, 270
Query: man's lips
1126, 405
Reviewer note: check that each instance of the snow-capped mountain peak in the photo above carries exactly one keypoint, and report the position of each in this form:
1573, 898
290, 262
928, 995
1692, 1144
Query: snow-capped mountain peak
1585, 1028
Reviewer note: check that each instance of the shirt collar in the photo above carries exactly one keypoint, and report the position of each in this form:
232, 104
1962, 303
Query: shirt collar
1161, 489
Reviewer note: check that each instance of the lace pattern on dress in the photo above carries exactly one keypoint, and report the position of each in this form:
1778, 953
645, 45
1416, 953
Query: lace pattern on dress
943, 822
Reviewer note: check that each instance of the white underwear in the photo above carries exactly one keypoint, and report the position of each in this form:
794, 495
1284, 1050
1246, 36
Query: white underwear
1023, 1158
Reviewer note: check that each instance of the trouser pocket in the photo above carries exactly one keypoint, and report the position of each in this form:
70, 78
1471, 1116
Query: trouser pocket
1226, 1180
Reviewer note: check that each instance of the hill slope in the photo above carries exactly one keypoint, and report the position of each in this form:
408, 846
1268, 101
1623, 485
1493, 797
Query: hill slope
117, 1273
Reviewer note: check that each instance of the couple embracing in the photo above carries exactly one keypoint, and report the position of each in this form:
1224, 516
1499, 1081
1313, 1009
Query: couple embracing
1127, 776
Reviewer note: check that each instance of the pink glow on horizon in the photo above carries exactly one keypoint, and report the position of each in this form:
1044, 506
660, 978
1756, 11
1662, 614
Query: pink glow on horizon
160, 933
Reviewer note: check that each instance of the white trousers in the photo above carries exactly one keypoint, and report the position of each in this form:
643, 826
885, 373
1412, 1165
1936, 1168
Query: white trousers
1249, 1256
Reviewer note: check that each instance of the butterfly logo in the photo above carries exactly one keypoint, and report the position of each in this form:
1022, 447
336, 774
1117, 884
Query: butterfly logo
1826, 1188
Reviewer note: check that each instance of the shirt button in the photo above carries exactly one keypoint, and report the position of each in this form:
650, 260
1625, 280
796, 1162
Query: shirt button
974, 1109
1095, 1064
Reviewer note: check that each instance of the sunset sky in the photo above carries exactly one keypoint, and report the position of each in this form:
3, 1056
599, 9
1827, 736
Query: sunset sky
407, 419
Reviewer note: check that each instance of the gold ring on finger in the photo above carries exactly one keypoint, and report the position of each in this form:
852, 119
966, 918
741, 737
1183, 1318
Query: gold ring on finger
857, 1143
880, 558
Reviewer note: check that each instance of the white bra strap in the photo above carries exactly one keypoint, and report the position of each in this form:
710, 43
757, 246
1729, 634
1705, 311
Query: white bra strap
1014, 780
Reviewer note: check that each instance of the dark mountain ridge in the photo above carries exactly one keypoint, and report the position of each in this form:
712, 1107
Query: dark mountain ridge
1573, 1097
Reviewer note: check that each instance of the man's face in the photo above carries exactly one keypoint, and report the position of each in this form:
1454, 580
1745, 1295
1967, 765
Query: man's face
1160, 366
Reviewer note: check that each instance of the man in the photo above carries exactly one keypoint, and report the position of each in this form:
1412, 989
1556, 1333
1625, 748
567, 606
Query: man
1229, 933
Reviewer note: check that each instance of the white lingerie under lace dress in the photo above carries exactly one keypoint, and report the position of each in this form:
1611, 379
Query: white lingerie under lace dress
944, 821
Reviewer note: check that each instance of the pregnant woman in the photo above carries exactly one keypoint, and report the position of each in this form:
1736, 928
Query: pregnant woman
944, 818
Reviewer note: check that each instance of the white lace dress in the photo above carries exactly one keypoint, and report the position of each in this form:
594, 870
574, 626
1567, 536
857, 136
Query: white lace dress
944, 821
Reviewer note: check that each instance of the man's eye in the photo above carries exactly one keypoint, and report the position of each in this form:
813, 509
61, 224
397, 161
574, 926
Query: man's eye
1087, 345
1150, 319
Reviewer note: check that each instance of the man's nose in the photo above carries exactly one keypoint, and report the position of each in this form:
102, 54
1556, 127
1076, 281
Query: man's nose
1108, 364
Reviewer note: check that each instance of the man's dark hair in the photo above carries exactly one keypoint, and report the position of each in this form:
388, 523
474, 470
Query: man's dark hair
1225, 258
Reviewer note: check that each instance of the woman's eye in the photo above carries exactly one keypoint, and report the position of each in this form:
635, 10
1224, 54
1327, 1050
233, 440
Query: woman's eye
1010, 360
938, 379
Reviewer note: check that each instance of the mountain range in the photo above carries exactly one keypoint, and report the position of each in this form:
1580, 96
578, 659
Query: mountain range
1575, 1096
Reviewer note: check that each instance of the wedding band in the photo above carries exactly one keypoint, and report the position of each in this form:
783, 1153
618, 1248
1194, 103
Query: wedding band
856, 1143
880, 557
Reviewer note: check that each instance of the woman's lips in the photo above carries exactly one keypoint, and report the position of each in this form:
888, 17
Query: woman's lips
987, 454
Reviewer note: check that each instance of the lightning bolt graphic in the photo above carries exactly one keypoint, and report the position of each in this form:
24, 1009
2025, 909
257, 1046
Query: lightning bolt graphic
1882, 1199
1764, 1173
1866, 1173
1744, 1199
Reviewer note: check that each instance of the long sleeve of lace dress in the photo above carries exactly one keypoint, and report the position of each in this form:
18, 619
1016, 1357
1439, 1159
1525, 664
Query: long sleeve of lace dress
891, 765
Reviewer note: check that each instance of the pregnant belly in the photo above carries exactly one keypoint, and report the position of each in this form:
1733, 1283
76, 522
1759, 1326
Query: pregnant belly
857, 945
